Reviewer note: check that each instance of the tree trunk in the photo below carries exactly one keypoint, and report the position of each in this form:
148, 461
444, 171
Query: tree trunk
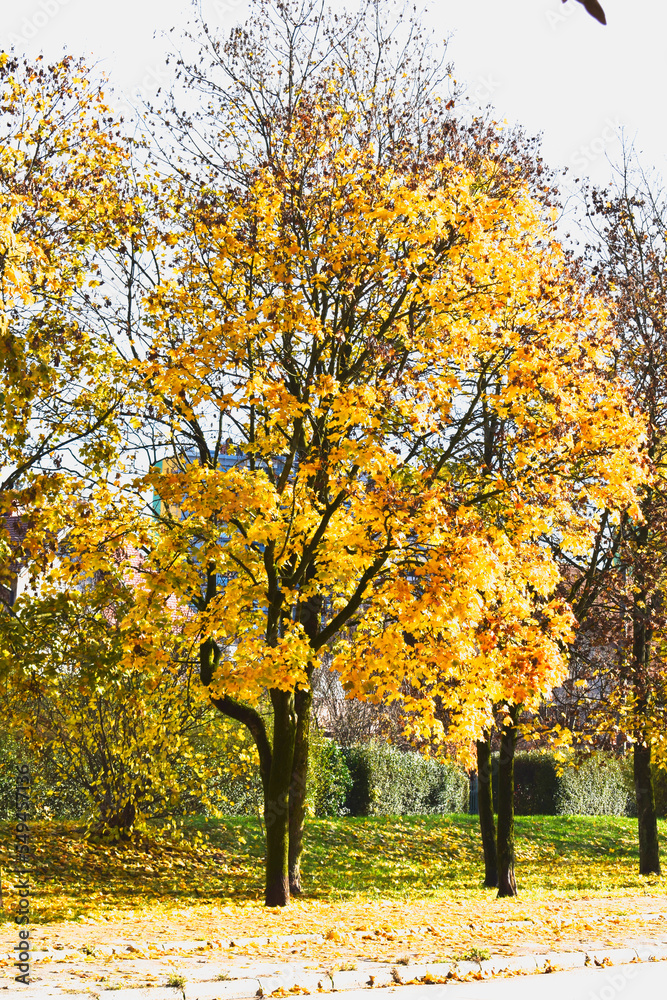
298, 788
506, 856
115, 822
276, 799
309, 613
487, 824
647, 821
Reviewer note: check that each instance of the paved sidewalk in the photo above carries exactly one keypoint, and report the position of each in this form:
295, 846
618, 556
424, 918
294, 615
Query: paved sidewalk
191, 970
642, 981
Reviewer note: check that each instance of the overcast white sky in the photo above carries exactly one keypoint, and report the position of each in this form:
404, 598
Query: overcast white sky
542, 63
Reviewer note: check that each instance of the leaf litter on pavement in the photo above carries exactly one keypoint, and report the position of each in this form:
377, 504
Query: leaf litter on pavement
388, 889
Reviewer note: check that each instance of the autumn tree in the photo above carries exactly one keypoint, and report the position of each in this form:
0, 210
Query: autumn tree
628, 615
123, 735
62, 163
347, 279
539, 450
289, 371
60, 157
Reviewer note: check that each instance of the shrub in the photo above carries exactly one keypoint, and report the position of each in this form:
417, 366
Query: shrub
221, 777
388, 781
597, 784
10, 759
53, 792
329, 779
536, 783
594, 784
216, 776
108, 732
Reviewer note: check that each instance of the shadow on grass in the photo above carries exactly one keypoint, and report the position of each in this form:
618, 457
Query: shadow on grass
221, 860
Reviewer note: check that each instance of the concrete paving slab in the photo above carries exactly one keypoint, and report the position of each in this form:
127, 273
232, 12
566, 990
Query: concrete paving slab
512, 963
439, 969
260, 970
381, 977
650, 952
408, 973
33, 992
147, 966
311, 981
627, 982
351, 979
465, 968
433, 970
197, 945
295, 939
562, 959
245, 981
216, 973
233, 989
142, 993
30, 993
243, 942
616, 956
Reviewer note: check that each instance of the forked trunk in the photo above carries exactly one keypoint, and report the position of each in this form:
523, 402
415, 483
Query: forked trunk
487, 823
115, 821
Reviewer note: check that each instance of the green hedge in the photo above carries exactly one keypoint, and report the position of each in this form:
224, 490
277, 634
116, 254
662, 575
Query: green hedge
597, 784
329, 779
369, 780
387, 781
536, 784
591, 784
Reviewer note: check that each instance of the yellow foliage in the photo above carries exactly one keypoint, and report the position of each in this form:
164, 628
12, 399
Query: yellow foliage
358, 332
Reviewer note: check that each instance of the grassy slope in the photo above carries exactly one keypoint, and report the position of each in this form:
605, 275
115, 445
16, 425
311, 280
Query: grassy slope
401, 858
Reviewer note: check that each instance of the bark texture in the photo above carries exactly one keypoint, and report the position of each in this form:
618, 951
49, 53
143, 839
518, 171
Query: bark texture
487, 823
297, 796
647, 821
116, 822
505, 849
276, 799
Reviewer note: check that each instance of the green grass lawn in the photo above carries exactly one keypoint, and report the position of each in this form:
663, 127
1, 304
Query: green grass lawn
419, 855
403, 858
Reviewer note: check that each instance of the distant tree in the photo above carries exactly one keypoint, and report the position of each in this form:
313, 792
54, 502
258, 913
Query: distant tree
628, 615
60, 204
121, 734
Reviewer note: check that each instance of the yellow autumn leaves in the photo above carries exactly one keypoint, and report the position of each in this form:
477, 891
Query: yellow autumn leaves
361, 397
360, 331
